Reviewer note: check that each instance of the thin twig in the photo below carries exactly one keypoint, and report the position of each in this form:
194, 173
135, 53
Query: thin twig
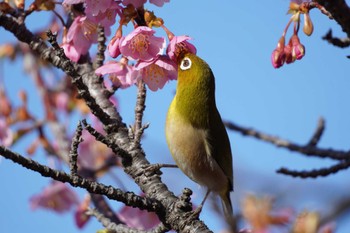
139, 109
101, 138
128, 198
316, 137
279, 142
316, 172
342, 43
103, 206
73, 154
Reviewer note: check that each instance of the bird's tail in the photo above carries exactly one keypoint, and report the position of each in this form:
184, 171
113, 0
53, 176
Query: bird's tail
227, 205
228, 210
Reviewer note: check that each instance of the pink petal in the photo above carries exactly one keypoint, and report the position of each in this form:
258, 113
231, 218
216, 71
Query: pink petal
159, 3
73, 1
137, 218
113, 67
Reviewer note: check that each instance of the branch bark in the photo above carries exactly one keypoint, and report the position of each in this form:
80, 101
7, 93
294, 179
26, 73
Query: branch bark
340, 12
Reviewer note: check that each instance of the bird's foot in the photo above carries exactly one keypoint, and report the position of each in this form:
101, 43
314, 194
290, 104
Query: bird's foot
195, 214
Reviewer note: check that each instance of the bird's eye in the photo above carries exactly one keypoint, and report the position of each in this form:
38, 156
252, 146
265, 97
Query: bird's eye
185, 63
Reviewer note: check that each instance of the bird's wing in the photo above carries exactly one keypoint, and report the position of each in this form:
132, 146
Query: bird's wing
220, 145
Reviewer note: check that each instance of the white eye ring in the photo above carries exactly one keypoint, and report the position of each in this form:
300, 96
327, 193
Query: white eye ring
186, 63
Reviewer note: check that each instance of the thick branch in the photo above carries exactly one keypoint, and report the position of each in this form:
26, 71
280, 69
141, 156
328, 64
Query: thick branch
340, 12
120, 228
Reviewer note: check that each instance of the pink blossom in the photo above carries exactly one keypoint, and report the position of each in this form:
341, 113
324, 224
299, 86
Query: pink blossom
328, 228
6, 135
178, 45
82, 32
107, 16
93, 154
70, 51
139, 219
120, 73
57, 197
159, 3
94, 7
62, 101
300, 1
73, 1
141, 44
135, 3
113, 47
157, 72
81, 218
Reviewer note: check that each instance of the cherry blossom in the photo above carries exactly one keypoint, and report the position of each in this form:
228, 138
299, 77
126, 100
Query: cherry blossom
142, 44
113, 47
159, 3
178, 45
135, 3
81, 34
157, 72
137, 218
6, 135
81, 218
95, 7
57, 197
120, 73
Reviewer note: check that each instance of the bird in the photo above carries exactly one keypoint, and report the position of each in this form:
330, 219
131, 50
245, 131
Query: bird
195, 133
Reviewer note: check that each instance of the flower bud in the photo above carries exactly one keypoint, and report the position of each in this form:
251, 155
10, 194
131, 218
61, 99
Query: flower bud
298, 50
277, 58
308, 26
278, 55
288, 54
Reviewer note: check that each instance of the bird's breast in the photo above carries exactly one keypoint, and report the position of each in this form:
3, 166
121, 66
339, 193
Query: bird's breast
191, 151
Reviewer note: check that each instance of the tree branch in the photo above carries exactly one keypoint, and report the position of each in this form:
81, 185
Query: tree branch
139, 109
73, 154
316, 172
340, 12
342, 43
121, 228
128, 198
308, 149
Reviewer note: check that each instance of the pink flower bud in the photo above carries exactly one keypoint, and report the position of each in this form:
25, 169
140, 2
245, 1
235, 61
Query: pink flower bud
288, 53
298, 50
278, 56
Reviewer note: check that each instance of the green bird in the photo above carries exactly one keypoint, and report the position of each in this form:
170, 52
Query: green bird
195, 133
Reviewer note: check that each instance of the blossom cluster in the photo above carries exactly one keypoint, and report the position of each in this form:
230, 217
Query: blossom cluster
155, 63
293, 50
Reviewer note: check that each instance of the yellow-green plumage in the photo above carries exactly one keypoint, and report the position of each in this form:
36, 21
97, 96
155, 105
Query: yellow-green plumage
195, 133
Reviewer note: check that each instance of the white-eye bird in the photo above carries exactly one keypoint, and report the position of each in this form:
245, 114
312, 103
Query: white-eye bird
195, 133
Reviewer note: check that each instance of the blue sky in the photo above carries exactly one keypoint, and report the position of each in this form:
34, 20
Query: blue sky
236, 38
